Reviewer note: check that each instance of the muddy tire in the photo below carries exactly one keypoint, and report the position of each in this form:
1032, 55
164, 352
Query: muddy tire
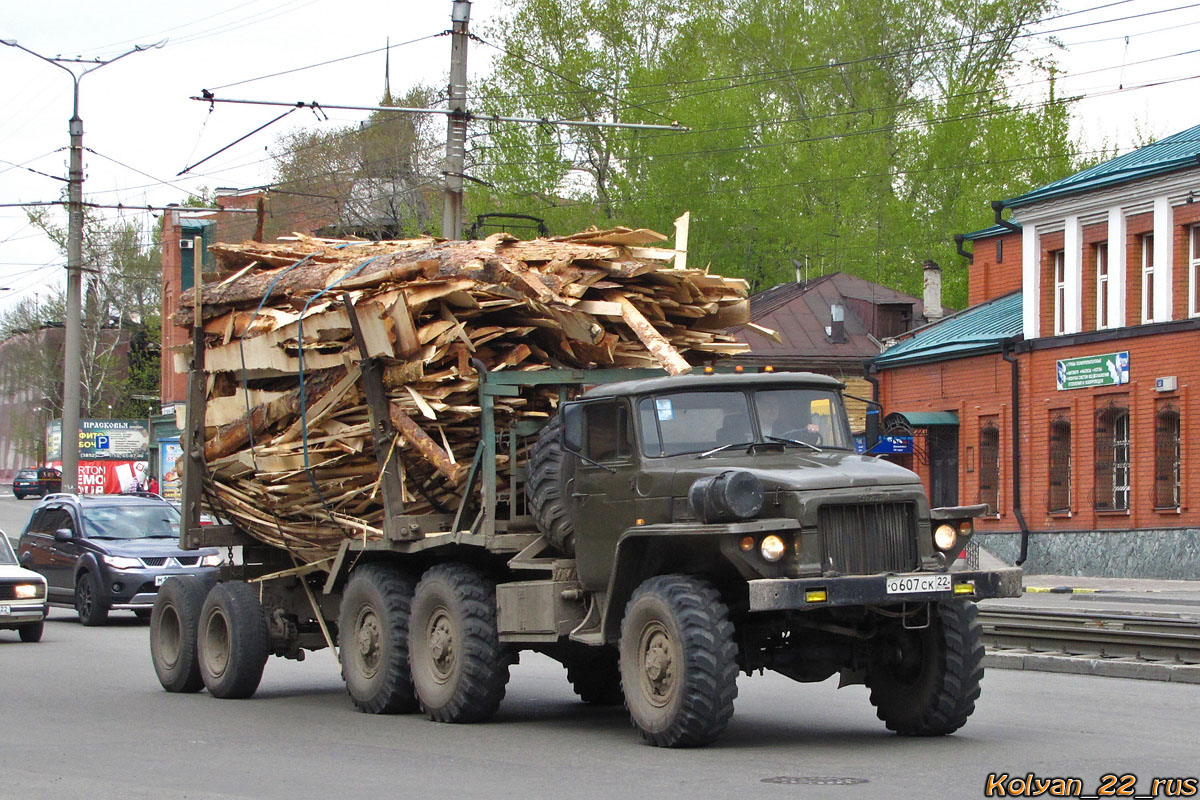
926, 681
174, 621
595, 675
459, 668
91, 609
678, 661
31, 631
549, 472
373, 640
232, 641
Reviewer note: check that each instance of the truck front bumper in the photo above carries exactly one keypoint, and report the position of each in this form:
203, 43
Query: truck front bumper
783, 594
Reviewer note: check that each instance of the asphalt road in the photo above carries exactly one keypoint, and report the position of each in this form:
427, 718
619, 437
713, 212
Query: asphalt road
14, 513
82, 715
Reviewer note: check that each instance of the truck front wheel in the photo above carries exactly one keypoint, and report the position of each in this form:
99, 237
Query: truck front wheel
232, 641
373, 639
678, 661
925, 681
459, 667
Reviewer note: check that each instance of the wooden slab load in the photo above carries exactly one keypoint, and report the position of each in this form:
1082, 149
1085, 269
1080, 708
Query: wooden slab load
278, 338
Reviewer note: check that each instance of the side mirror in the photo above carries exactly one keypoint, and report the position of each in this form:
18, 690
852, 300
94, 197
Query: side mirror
572, 428
63, 535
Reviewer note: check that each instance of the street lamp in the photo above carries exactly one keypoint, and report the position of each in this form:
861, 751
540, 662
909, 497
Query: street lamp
74, 327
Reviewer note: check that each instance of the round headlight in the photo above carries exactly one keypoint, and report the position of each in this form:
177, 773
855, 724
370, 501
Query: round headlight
772, 548
944, 537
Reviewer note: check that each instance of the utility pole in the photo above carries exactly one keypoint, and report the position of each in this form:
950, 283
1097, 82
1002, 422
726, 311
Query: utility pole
72, 350
456, 122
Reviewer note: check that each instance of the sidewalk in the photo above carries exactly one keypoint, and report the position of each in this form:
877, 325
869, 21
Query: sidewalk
1145, 599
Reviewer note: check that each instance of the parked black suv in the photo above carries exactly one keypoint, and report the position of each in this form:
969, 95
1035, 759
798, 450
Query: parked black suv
36, 482
105, 552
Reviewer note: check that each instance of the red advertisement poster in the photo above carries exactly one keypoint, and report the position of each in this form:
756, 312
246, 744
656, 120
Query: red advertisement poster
110, 477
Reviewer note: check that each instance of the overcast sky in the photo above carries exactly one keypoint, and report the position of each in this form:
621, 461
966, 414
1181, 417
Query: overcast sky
143, 129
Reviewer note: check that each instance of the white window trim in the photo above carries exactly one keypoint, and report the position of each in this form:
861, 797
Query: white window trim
1147, 242
1194, 270
1059, 268
1104, 287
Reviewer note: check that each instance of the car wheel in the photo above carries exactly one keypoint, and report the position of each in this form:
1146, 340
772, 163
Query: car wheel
678, 661
174, 621
232, 641
31, 631
19, 495
92, 610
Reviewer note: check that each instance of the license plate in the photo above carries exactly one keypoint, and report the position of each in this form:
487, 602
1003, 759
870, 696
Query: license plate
918, 584
5, 610
159, 580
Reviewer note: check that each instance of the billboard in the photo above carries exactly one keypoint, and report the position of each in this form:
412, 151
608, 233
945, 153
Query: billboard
170, 482
103, 440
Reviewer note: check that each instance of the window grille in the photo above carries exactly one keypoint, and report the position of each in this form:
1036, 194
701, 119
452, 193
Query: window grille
1112, 459
989, 466
1060, 464
1166, 458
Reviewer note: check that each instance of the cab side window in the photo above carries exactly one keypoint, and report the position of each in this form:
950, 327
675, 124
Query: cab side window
606, 431
57, 518
37, 522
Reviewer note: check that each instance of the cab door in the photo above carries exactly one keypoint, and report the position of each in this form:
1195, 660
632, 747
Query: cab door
602, 493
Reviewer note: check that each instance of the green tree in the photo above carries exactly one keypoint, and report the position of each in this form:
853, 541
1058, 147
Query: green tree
858, 138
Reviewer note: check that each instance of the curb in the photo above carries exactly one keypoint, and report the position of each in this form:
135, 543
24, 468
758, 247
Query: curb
1091, 665
1063, 590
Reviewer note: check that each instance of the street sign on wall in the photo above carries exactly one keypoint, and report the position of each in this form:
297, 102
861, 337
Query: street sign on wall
1109, 369
103, 439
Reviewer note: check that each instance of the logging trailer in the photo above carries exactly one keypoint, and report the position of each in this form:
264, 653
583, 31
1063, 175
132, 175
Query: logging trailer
665, 534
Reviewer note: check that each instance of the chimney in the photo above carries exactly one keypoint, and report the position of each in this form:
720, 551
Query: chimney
837, 323
933, 291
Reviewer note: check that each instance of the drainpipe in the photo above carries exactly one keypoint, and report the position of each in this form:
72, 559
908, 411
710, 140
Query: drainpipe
958, 244
873, 419
1007, 355
998, 208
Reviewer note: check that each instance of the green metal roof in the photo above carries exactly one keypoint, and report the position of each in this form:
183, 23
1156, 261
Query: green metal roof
928, 419
1178, 151
979, 329
995, 230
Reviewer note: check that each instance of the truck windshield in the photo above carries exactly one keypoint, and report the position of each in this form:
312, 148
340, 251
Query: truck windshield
696, 422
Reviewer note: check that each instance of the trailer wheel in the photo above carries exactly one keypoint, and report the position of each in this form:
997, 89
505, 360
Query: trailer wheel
232, 641
174, 621
596, 676
459, 667
678, 661
925, 682
549, 472
373, 640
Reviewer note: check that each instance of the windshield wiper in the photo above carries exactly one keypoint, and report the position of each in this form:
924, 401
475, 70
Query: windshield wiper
782, 440
723, 447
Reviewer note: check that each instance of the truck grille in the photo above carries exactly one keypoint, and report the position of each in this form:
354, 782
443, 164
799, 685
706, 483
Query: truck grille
866, 538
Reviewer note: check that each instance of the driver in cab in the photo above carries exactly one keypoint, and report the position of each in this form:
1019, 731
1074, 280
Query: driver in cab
785, 420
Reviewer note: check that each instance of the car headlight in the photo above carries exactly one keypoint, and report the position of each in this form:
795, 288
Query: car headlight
212, 560
772, 548
27, 591
122, 562
945, 537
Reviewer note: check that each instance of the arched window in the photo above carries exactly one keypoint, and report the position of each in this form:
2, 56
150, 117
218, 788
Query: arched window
989, 466
1060, 464
1112, 458
1166, 457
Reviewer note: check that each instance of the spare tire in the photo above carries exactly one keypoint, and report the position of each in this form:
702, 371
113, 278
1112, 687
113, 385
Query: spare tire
549, 472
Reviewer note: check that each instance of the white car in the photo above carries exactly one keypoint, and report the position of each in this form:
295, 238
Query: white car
22, 596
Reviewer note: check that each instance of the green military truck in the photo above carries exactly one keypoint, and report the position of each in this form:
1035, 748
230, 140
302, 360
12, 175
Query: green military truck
664, 535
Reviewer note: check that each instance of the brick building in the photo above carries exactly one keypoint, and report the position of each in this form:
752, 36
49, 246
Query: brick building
1066, 397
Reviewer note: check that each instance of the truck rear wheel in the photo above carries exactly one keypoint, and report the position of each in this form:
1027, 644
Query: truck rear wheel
549, 472
926, 681
174, 621
595, 675
232, 641
373, 640
459, 667
678, 661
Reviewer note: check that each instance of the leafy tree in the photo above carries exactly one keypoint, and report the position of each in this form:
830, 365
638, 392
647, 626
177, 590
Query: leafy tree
853, 137
379, 179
